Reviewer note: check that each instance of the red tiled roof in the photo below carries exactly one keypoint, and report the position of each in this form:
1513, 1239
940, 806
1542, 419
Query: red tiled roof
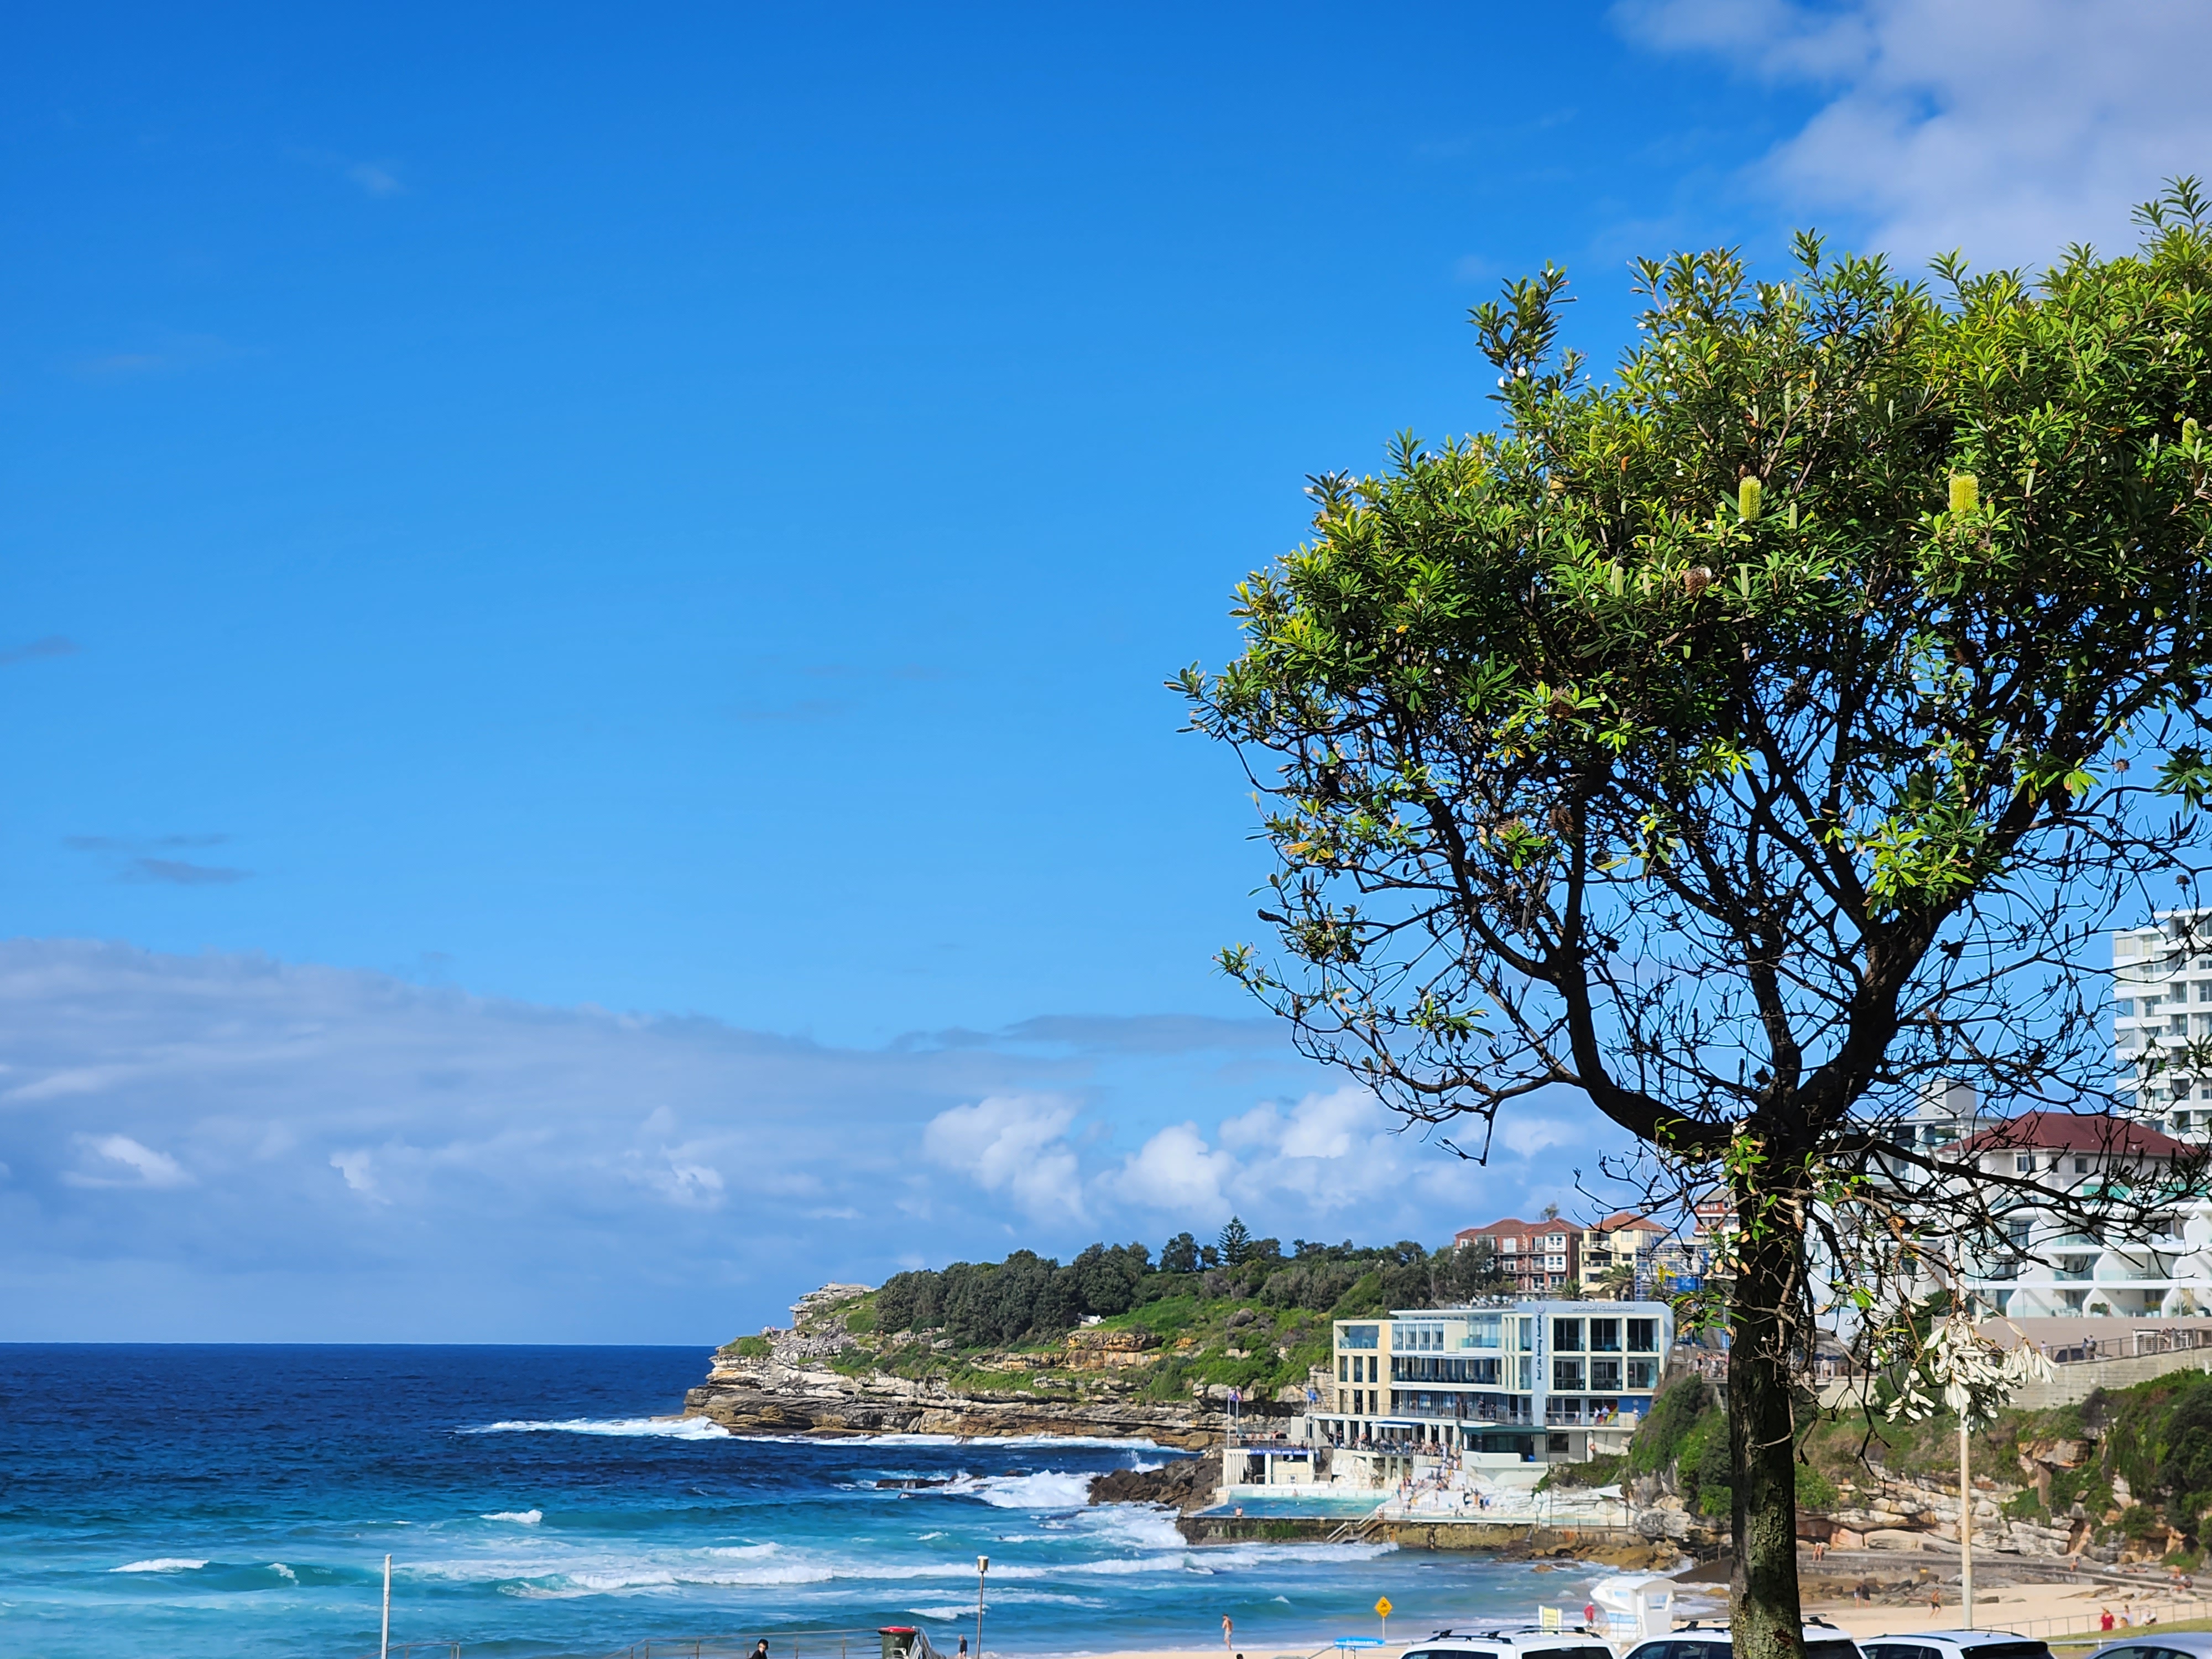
2074, 1131
1511, 1226
1625, 1219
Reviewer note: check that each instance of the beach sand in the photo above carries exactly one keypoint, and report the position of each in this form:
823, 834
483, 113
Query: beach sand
2048, 1611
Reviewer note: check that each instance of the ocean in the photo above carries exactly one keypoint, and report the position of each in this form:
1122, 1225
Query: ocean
178, 1501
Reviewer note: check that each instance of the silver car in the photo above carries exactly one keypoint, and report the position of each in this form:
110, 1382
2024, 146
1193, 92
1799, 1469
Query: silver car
2152, 1642
1954, 1644
1696, 1640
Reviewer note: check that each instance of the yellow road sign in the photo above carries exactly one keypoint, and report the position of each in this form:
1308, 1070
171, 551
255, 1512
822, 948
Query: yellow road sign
1383, 1606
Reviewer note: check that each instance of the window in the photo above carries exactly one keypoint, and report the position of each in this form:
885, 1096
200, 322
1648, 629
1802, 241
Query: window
1508, 1246
1556, 1242
1361, 1336
1343, 1373
1643, 1336
2081, 1166
1605, 1376
2203, 988
2016, 1230
1643, 1373
2176, 1025
1605, 1335
1567, 1335
2022, 1163
1555, 1263
1567, 1375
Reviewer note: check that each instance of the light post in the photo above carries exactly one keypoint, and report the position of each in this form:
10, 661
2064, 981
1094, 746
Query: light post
982, 1567
383, 1642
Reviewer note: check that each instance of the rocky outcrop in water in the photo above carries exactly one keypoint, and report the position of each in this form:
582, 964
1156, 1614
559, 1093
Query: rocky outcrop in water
1186, 1483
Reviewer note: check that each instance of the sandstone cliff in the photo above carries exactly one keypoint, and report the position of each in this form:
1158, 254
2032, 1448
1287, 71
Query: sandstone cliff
816, 1377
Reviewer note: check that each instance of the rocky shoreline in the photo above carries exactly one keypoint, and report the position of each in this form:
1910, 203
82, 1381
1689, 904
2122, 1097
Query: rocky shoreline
802, 1380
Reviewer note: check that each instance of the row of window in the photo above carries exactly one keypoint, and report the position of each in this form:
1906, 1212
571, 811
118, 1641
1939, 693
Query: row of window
1604, 1375
2127, 1006
1605, 1335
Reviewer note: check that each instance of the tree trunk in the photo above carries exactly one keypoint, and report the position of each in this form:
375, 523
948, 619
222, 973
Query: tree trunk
1767, 1620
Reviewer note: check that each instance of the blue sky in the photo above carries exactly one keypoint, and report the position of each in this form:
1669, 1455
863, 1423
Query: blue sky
583, 596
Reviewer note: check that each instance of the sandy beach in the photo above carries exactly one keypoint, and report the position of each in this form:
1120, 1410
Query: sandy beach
2049, 1611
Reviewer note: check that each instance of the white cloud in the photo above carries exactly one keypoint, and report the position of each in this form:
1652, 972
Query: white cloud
359, 1169
2008, 128
1012, 1143
376, 180
147, 1167
1177, 1172
346, 1155
1525, 1137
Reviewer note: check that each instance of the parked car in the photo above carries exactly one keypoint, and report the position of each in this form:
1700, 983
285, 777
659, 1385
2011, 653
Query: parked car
1520, 1642
1698, 1640
1954, 1644
2151, 1643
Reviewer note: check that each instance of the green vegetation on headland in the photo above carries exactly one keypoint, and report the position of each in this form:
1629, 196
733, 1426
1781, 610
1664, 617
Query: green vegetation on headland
2128, 1470
1241, 1312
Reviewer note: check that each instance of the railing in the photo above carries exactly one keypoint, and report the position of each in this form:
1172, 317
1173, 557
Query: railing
2090, 1624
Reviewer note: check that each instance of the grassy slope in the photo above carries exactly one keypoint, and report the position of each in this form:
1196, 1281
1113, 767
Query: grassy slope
1236, 1340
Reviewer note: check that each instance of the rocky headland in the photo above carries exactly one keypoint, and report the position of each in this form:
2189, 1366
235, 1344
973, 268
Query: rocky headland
819, 1377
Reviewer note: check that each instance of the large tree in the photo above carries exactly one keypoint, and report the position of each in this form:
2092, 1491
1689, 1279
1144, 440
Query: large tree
1744, 741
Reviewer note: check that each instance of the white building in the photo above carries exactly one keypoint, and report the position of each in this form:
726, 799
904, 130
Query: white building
2162, 1021
1519, 1381
2044, 1267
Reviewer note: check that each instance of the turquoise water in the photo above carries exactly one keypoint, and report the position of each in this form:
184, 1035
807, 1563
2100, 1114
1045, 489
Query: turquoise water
181, 1501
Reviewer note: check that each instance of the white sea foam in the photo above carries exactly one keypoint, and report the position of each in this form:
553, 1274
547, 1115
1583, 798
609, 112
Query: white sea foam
1048, 1489
926, 1536
284, 1571
521, 1517
162, 1563
1028, 1442
661, 1428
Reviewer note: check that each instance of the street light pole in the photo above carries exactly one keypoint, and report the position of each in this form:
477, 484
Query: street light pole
1966, 1532
384, 1643
982, 1567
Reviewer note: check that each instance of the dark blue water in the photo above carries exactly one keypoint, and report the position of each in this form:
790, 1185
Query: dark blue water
180, 1501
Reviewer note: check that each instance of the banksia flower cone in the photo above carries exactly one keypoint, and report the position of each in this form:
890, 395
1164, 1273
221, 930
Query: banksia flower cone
1747, 499
1965, 492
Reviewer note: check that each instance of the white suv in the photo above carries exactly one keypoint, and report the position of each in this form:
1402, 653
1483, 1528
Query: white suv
1520, 1643
1703, 1641
1954, 1644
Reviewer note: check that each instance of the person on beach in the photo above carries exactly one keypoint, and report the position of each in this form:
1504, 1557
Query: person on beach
1934, 1597
2105, 1622
760, 1649
1228, 1631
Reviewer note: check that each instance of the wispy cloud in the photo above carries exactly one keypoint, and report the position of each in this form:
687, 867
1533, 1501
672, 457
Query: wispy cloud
53, 645
376, 177
2008, 128
177, 353
151, 859
343, 1153
180, 872
146, 1167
